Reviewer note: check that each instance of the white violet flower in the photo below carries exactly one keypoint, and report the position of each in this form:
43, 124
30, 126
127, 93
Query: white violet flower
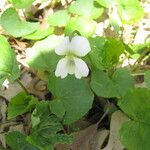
71, 63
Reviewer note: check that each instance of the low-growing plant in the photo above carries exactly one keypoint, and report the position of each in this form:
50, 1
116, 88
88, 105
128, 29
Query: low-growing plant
78, 66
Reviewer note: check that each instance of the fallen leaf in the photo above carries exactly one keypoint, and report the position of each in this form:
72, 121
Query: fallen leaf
117, 119
84, 140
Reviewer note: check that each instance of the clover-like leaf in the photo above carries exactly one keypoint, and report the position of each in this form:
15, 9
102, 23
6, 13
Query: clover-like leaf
75, 95
13, 25
116, 86
8, 64
20, 104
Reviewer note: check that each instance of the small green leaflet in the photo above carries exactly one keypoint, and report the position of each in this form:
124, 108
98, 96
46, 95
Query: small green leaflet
13, 25
76, 97
45, 136
22, 3
59, 18
105, 52
111, 52
41, 110
116, 86
135, 134
86, 8
94, 58
20, 104
8, 64
17, 141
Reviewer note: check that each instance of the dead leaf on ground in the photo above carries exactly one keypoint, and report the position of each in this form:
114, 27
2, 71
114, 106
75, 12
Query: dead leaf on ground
117, 119
84, 140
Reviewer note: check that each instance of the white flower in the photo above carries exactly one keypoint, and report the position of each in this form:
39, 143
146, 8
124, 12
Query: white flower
70, 63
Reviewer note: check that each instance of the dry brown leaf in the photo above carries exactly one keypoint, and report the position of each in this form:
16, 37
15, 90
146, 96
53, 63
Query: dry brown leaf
117, 119
18, 128
2, 140
84, 140
100, 138
14, 89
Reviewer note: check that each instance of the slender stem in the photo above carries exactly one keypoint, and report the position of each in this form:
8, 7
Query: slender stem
22, 86
139, 60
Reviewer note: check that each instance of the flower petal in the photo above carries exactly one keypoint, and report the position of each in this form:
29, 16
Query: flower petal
63, 47
80, 46
71, 66
81, 68
61, 69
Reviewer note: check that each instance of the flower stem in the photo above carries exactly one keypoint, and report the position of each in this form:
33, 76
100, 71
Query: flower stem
140, 59
22, 86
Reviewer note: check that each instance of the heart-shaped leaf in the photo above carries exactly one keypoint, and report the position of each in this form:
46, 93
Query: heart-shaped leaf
42, 56
135, 134
11, 22
116, 86
76, 97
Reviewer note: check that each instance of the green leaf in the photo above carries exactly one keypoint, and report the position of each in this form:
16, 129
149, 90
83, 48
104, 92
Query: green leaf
22, 3
8, 64
57, 108
116, 86
11, 22
59, 18
17, 141
42, 56
41, 110
20, 104
75, 95
106, 3
130, 11
135, 135
136, 103
85, 26
111, 52
45, 136
147, 78
94, 57
40, 34
86, 8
